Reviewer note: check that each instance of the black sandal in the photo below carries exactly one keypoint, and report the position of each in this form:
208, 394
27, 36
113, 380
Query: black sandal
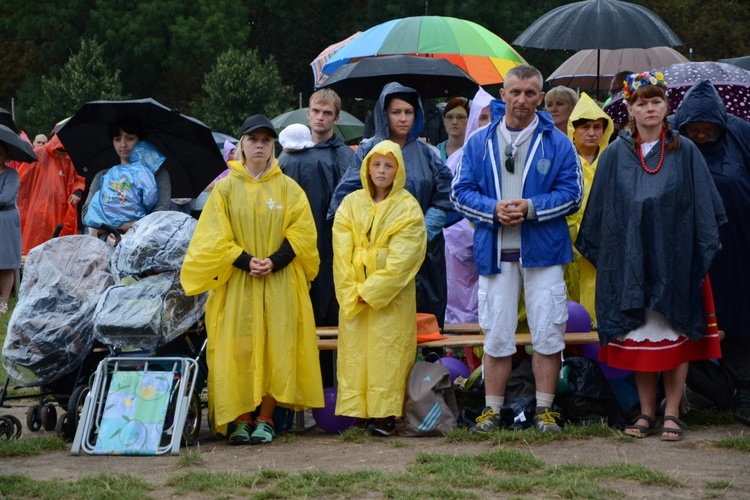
679, 433
641, 431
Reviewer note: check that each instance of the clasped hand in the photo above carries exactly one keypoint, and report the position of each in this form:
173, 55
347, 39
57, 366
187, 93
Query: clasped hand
512, 212
260, 268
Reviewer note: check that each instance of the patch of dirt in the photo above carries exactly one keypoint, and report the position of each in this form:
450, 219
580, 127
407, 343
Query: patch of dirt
694, 461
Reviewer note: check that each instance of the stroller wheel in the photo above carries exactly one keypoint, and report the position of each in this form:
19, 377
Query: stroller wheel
62, 427
33, 419
6, 429
75, 407
16, 425
49, 417
192, 421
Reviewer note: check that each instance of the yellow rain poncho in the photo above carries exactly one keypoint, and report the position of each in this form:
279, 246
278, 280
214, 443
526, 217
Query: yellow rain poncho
377, 251
580, 275
261, 331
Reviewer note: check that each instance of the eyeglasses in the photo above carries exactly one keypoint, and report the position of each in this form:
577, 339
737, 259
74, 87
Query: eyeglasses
510, 161
457, 118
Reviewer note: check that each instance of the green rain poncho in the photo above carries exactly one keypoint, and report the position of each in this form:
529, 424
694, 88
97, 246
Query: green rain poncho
261, 331
378, 249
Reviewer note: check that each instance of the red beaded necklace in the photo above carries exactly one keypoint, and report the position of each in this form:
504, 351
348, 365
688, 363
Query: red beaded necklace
661, 156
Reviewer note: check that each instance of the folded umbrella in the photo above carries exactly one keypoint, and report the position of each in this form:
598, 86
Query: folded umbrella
431, 77
193, 158
18, 149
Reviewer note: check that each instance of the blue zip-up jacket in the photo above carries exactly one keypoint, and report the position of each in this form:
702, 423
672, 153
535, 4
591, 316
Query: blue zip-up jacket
552, 180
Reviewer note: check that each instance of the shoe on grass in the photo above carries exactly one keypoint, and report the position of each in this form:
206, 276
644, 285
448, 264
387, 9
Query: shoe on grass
241, 434
547, 420
263, 433
381, 427
487, 421
742, 406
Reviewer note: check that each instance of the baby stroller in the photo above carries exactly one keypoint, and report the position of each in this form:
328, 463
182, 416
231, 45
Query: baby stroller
50, 342
144, 397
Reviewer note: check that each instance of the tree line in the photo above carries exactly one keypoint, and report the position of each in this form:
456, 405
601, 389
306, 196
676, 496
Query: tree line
220, 60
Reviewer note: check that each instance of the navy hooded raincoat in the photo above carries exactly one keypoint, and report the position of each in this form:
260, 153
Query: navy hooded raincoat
728, 159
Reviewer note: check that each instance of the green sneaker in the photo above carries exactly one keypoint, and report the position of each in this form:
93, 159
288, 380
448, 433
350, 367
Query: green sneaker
263, 433
487, 421
241, 434
547, 420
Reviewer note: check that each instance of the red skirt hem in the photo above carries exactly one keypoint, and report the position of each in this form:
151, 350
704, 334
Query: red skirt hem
665, 355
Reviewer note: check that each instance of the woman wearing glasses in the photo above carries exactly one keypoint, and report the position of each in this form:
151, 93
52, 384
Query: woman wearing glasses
455, 116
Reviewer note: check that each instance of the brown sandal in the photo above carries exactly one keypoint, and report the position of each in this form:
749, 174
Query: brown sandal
641, 431
679, 433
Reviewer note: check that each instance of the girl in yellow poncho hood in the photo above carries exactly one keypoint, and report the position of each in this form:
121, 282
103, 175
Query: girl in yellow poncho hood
590, 129
254, 249
379, 242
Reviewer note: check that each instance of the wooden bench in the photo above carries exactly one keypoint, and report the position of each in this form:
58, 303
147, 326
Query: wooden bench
459, 335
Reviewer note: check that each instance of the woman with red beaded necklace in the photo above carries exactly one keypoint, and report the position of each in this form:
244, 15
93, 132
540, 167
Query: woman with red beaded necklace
651, 230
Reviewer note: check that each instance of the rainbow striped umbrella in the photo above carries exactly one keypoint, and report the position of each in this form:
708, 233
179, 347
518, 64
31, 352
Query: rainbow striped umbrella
483, 55
322, 58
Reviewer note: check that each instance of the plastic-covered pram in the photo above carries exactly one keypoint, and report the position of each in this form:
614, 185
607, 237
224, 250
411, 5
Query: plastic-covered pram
139, 403
50, 342
51, 330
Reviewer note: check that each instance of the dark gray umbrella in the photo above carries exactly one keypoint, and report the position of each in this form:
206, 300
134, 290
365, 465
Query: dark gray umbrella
18, 149
742, 62
193, 159
430, 76
598, 24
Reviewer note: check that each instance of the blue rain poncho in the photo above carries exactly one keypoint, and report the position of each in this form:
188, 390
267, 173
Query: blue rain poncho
128, 192
728, 159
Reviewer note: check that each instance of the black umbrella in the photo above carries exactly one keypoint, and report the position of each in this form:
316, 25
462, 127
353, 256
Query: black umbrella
18, 149
598, 24
430, 76
193, 159
6, 118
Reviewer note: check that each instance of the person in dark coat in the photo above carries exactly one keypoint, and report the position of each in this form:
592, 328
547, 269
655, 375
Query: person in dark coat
724, 141
399, 117
651, 229
318, 171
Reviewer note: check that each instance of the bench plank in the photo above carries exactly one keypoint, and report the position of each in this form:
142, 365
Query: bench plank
524, 339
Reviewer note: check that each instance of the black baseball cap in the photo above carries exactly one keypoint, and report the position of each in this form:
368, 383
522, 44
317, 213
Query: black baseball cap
255, 122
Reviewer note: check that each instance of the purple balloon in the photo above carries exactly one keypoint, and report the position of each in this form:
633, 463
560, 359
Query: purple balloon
326, 417
455, 366
579, 319
613, 373
591, 351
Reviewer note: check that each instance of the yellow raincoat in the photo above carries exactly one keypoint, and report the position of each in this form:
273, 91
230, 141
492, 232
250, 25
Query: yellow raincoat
261, 331
377, 251
580, 275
